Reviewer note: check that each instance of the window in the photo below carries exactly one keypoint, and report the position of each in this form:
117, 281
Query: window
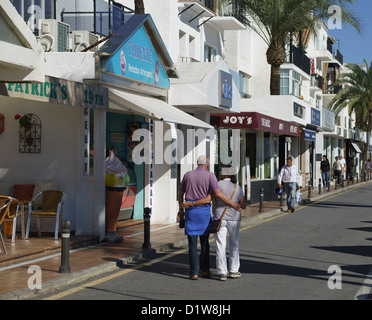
244, 85
209, 53
298, 110
296, 83
284, 82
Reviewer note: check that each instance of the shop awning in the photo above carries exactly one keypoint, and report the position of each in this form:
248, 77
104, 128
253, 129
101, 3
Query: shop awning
356, 147
153, 108
257, 121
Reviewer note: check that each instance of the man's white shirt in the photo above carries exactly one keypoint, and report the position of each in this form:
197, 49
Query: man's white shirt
288, 174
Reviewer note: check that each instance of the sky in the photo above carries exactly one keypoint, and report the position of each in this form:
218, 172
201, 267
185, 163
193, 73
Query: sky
356, 47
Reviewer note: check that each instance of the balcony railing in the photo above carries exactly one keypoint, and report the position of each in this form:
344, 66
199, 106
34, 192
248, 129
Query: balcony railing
339, 57
298, 58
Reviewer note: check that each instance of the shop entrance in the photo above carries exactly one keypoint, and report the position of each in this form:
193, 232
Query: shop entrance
119, 129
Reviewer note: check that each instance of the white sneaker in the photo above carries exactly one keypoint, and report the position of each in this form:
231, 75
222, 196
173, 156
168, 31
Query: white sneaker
235, 275
222, 277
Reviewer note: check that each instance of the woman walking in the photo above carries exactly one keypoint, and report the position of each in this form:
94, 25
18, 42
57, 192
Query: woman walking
325, 169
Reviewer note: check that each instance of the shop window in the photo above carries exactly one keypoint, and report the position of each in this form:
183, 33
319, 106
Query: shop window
251, 153
267, 156
284, 82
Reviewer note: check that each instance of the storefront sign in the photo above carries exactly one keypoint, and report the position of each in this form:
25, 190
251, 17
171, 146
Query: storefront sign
315, 117
59, 91
226, 90
309, 135
136, 59
254, 120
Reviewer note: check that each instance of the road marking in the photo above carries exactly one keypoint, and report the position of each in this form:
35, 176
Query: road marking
113, 276
365, 289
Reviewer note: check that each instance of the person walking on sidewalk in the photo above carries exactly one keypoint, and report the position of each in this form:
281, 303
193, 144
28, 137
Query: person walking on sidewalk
197, 187
290, 177
230, 224
337, 170
325, 169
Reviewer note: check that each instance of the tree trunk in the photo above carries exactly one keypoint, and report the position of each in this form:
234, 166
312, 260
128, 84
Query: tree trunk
275, 56
275, 80
139, 7
365, 151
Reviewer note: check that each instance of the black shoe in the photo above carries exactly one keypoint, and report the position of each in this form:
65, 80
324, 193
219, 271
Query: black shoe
292, 210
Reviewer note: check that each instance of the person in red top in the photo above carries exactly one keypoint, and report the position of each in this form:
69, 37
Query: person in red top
197, 187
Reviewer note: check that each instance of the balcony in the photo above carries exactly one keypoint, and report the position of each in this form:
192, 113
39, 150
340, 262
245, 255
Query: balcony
298, 58
197, 8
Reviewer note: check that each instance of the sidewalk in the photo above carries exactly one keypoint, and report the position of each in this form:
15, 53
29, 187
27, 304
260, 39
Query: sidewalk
97, 259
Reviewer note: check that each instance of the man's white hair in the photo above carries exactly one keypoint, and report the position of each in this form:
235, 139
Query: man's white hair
203, 160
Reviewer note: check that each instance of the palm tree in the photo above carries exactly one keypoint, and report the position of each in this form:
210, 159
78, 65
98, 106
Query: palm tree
139, 7
274, 20
356, 95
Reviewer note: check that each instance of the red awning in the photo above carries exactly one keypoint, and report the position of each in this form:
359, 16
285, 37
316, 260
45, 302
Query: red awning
255, 120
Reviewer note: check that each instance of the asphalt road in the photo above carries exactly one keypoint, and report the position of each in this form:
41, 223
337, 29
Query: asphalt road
320, 252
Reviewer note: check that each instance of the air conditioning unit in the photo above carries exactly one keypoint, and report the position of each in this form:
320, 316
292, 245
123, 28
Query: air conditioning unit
54, 35
82, 39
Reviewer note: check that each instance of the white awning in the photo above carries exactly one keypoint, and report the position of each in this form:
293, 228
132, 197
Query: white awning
356, 147
153, 108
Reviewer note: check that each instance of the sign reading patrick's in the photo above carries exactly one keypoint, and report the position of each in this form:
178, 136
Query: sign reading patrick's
137, 60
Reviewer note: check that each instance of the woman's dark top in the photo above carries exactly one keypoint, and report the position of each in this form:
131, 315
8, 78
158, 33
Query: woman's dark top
325, 166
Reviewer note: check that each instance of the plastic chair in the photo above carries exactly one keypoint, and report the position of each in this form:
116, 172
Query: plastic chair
12, 213
5, 202
51, 207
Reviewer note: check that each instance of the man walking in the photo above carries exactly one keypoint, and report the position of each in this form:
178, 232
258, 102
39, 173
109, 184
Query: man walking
337, 170
196, 185
290, 177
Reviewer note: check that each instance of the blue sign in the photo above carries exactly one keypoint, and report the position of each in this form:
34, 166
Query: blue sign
137, 60
315, 117
309, 135
226, 90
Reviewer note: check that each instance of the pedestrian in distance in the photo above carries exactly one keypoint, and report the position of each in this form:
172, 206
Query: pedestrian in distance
343, 166
197, 188
290, 178
325, 169
337, 170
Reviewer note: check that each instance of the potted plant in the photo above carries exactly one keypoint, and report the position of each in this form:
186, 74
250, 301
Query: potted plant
24, 121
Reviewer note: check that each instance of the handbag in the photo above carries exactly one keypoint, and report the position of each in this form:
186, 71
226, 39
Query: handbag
215, 225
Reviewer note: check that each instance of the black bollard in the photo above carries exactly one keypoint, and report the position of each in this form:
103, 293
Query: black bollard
357, 177
342, 181
147, 216
320, 186
262, 200
309, 190
329, 183
65, 249
282, 199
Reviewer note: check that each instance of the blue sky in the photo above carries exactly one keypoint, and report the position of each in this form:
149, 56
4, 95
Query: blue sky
356, 47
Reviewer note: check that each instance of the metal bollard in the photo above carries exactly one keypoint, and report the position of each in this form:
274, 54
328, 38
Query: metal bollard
357, 177
342, 181
262, 200
147, 216
320, 186
282, 199
329, 183
65, 249
309, 190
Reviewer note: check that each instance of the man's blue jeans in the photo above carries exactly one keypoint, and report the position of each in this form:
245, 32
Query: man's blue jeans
193, 254
290, 190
